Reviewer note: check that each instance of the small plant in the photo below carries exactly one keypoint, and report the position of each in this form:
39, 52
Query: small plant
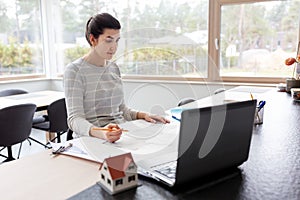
295, 61
291, 61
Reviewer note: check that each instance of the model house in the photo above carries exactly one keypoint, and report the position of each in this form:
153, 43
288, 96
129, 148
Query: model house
118, 173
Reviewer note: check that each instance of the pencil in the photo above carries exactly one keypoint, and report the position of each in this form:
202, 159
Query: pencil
251, 96
107, 129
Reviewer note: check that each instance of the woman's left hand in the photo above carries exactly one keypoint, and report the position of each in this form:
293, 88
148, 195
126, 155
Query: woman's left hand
156, 118
153, 118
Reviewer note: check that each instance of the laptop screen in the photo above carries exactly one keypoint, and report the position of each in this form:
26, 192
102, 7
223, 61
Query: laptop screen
214, 138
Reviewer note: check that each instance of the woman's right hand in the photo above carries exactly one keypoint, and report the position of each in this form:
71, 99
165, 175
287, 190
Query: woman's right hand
112, 134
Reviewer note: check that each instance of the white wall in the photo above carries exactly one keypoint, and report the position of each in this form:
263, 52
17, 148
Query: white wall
155, 97
29, 85
149, 96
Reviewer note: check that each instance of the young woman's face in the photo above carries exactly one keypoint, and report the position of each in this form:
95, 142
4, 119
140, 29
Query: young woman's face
107, 43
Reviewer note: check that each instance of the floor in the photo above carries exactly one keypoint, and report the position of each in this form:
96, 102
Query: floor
28, 149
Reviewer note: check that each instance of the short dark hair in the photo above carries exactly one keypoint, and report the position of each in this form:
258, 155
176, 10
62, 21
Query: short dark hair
96, 25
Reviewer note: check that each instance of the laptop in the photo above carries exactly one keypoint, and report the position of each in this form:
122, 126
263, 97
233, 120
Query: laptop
211, 140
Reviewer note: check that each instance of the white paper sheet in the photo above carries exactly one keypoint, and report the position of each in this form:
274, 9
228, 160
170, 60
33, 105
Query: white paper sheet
89, 148
147, 138
143, 139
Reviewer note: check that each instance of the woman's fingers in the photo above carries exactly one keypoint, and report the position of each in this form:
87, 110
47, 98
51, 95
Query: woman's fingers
113, 138
163, 120
113, 126
114, 134
155, 118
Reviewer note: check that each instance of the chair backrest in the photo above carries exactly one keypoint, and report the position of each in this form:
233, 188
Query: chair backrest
15, 123
57, 114
9, 92
185, 101
219, 90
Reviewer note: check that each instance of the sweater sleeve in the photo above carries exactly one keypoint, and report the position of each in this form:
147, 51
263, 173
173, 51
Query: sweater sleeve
74, 92
128, 113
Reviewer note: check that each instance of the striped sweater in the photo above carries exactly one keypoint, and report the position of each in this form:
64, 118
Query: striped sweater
94, 96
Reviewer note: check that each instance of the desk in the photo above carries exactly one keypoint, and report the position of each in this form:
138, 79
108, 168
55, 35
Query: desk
42, 176
271, 172
41, 99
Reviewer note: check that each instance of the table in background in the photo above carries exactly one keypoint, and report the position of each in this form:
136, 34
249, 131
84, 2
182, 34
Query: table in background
41, 99
271, 172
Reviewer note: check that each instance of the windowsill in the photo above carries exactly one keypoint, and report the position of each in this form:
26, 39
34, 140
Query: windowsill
200, 82
28, 79
138, 80
23, 80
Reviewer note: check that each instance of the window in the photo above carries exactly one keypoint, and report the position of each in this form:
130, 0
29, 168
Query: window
109, 181
119, 182
20, 39
102, 176
165, 38
189, 40
255, 45
131, 178
131, 166
158, 38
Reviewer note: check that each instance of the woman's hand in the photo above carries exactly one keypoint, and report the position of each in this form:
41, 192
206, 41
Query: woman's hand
152, 118
110, 133
113, 134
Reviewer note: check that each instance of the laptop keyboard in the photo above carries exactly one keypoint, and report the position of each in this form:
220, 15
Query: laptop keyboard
167, 169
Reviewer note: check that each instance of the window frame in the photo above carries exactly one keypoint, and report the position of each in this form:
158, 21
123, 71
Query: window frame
213, 71
214, 30
119, 182
49, 57
214, 37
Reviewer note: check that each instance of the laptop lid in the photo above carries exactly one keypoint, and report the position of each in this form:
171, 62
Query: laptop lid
214, 138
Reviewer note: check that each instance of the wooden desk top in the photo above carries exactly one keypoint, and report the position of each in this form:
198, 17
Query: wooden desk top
39, 177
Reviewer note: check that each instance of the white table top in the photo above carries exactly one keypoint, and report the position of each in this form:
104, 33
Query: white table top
241, 93
40, 98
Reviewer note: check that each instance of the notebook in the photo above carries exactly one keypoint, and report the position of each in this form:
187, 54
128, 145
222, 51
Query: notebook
211, 139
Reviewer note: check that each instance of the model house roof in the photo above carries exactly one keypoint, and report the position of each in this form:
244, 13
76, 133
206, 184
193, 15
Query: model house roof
117, 165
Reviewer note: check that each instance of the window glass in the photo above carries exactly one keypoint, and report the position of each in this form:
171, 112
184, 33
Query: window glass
119, 182
131, 178
257, 42
20, 38
158, 38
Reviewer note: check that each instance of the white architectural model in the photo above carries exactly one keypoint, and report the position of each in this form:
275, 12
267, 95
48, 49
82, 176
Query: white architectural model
118, 173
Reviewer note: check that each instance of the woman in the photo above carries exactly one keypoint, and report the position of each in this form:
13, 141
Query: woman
93, 85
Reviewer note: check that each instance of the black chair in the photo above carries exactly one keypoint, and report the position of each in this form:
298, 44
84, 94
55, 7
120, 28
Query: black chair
69, 135
219, 90
54, 121
9, 92
189, 99
15, 123
185, 101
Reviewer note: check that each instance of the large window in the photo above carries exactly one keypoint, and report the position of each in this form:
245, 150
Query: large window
160, 38
20, 38
222, 40
164, 39
257, 42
